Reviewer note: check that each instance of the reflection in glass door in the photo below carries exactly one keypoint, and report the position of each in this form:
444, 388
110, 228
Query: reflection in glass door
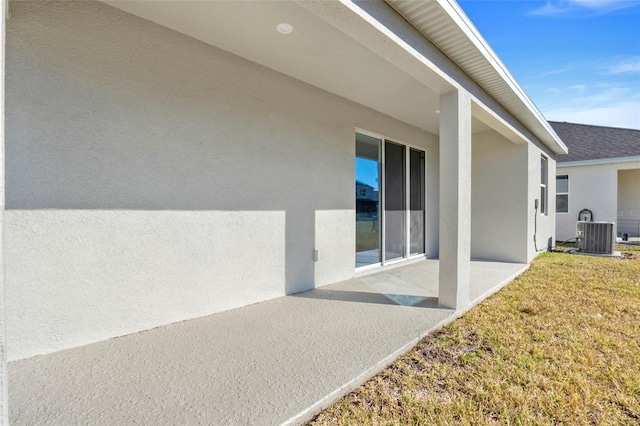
394, 201
416, 201
367, 200
390, 201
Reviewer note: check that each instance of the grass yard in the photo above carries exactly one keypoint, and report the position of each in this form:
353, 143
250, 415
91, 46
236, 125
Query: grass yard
559, 345
367, 236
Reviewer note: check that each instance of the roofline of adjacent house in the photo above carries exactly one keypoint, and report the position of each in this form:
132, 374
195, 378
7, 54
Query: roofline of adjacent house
594, 125
507, 90
598, 161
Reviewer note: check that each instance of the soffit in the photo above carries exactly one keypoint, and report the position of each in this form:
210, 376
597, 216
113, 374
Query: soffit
445, 25
315, 52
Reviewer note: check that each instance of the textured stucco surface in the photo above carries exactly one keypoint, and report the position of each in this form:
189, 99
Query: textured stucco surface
629, 193
78, 276
545, 224
153, 178
455, 198
262, 364
3, 342
499, 171
595, 188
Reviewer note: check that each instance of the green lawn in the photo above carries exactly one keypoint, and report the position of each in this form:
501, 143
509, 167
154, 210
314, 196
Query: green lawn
559, 345
367, 236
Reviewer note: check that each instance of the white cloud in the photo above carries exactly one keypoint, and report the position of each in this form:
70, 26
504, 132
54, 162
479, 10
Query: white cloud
549, 9
609, 95
626, 66
561, 7
557, 71
553, 90
626, 114
605, 4
611, 105
600, 66
578, 87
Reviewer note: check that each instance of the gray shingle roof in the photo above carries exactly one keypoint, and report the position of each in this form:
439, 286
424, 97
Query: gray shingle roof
587, 142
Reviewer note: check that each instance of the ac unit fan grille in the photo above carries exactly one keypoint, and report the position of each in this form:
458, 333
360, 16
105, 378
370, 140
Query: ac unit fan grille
596, 237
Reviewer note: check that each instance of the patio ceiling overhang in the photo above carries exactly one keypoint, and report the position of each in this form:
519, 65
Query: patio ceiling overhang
364, 61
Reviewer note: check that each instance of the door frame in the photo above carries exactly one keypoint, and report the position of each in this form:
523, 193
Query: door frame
407, 249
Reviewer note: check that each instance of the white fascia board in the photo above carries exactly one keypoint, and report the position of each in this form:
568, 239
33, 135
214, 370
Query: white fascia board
598, 161
331, 13
472, 33
480, 109
543, 130
488, 116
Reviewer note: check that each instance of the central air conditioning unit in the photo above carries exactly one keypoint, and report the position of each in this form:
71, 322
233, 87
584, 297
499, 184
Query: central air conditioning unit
596, 237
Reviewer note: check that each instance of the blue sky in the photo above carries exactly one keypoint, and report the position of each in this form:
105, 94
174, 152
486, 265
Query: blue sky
367, 171
578, 60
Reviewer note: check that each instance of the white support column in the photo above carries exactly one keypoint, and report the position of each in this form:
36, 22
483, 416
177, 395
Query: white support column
4, 410
455, 199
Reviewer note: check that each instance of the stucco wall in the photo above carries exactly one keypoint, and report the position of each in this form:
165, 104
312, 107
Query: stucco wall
605, 189
629, 193
153, 178
590, 187
4, 397
503, 215
498, 202
542, 225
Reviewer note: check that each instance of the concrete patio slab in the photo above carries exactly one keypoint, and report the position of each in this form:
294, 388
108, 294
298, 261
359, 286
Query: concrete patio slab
271, 363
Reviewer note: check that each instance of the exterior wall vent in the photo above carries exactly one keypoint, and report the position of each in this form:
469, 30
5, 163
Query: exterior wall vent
596, 237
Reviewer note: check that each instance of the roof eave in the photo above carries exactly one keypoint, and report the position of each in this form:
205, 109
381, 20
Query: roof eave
598, 161
504, 89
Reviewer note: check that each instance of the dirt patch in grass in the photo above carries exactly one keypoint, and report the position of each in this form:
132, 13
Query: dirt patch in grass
560, 345
629, 251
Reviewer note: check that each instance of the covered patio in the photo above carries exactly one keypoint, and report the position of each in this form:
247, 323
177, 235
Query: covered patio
180, 218
275, 362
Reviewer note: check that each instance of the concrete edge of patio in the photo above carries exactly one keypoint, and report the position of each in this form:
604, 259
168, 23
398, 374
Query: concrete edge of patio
325, 402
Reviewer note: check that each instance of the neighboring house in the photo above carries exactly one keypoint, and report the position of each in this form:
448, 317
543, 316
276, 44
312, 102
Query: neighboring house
366, 192
167, 160
366, 200
601, 174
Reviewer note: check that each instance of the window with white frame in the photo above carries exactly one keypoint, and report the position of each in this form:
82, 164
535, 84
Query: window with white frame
544, 167
562, 194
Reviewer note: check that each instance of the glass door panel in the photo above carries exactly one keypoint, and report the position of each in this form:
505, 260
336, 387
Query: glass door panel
368, 250
394, 201
416, 201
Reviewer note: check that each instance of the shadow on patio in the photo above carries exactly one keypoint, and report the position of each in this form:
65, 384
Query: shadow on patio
268, 363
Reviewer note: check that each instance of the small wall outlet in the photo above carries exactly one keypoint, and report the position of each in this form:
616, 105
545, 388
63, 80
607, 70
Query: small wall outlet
315, 255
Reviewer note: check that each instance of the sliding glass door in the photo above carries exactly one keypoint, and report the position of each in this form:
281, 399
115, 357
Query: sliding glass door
390, 201
416, 201
395, 210
368, 242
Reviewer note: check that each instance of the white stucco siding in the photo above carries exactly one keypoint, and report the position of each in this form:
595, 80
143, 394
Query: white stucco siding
542, 225
78, 276
629, 193
605, 189
590, 187
4, 397
153, 178
498, 201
